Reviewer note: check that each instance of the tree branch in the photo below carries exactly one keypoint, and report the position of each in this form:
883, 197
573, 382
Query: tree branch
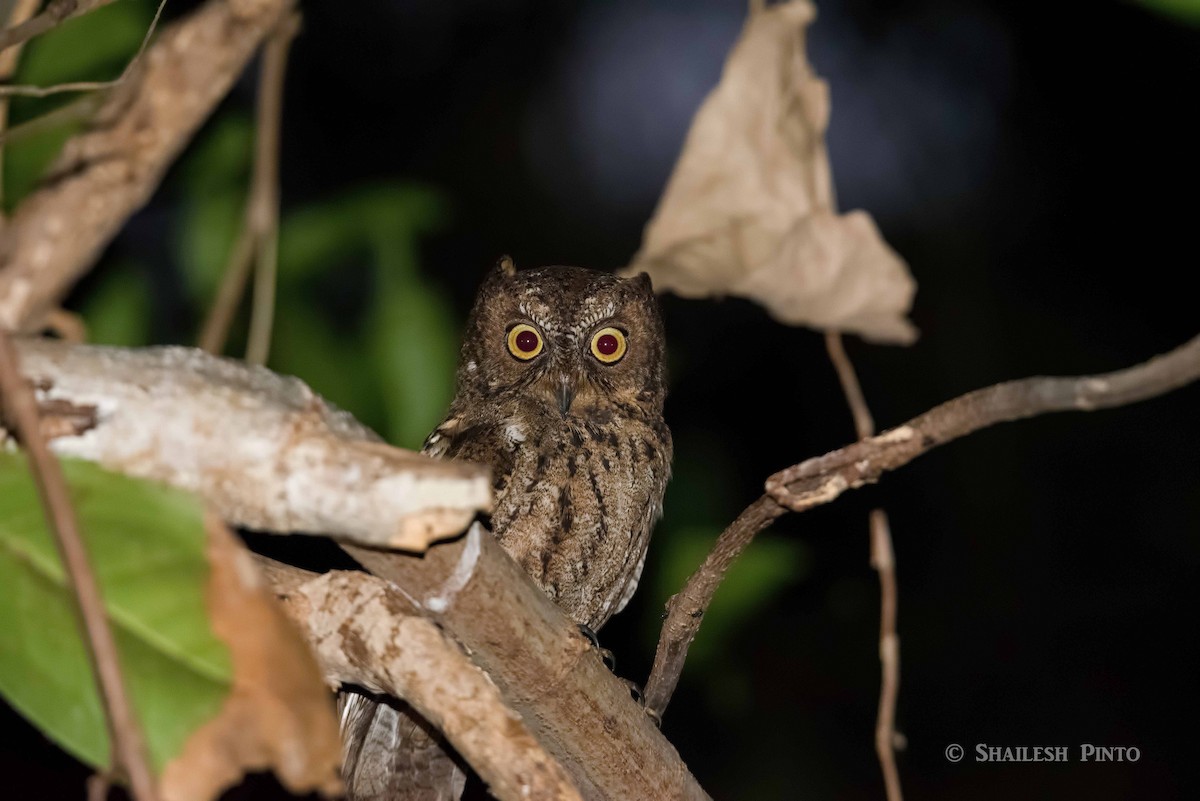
544, 667
263, 450
260, 447
823, 479
55, 13
883, 560
263, 204
125, 730
9, 90
110, 170
259, 235
365, 631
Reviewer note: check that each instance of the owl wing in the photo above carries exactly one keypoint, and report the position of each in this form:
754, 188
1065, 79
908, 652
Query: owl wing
483, 444
391, 753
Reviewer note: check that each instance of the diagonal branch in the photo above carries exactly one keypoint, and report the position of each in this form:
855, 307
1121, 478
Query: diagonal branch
547, 671
125, 731
365, 631
822, 479
243, 439
111, 169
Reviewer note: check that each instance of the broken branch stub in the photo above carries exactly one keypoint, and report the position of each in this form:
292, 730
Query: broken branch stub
749, 209
264, 450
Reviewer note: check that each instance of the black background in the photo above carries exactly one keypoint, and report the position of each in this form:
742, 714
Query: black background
1037, 165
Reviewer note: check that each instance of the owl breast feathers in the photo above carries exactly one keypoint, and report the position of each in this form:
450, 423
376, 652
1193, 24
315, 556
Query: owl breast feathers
560, 391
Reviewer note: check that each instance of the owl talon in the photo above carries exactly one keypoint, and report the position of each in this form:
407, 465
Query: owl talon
606, 656
635, 692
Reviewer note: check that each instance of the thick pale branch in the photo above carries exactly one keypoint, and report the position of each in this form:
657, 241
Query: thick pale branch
110, 170
546, 670
365, 631
823, 479
263, 450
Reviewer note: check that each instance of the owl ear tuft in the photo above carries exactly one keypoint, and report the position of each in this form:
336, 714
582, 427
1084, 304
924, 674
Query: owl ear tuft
505, 267
642, 282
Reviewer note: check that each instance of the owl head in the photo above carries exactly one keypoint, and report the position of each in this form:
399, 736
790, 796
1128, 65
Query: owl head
566, 341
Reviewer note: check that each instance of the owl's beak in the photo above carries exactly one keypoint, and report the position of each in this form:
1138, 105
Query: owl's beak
566, 394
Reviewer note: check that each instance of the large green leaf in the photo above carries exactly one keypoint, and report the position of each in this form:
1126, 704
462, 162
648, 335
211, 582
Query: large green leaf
413, 341
147, 547
764, 570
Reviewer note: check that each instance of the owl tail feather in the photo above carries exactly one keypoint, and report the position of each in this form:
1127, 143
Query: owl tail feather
391, 753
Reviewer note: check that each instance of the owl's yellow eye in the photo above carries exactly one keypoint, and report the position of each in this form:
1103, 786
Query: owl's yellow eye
609, 345
524, 342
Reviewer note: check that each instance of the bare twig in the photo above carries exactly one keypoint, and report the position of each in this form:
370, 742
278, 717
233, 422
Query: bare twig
823, 479
229, 293
264, 195
56, 12
864, 423
366, 632
67, 325
259, 236
264, 211
88, 86
60, 229
18, 13
884, 562
78, 109
125, 732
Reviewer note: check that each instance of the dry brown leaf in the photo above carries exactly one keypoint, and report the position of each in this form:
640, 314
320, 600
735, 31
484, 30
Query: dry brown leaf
279, 715
749, 209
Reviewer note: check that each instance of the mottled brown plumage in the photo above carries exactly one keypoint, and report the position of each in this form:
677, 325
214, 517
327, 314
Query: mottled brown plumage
560, 391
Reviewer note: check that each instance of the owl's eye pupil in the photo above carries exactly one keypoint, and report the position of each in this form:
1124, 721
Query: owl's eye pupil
527, 341
607, 344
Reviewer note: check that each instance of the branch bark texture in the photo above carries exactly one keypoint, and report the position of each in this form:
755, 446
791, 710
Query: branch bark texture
367, 632
110, 170
264, 450
823, 479
546, 669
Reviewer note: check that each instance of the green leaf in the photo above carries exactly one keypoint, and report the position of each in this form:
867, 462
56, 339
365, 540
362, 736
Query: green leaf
414, 344
306, 345
147, 547
215, 175
117, 310
761, 572
1187, 11
94, 47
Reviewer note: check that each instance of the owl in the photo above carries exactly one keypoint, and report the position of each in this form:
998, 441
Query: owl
560, 391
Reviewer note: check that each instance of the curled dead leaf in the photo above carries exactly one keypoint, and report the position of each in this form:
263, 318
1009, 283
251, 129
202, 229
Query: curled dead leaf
279, 714
749, 209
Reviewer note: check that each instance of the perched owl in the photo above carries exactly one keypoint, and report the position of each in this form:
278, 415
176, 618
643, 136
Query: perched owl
560, 391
